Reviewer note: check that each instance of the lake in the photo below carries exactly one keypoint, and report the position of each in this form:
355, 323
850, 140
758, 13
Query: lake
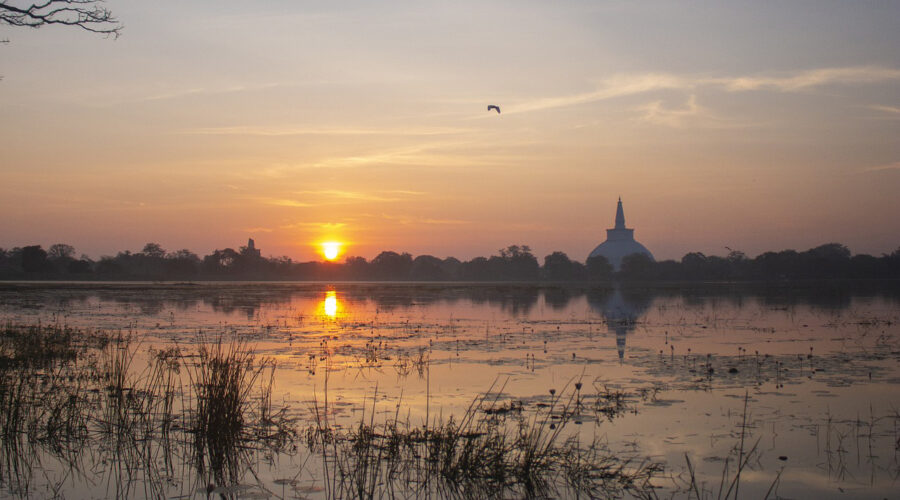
716, 391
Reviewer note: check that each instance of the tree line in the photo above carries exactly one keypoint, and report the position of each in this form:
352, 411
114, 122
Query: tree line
513, 263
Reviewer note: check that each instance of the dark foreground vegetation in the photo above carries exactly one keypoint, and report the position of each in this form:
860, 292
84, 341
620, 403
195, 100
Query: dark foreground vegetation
514, 263
76, 407
86, 409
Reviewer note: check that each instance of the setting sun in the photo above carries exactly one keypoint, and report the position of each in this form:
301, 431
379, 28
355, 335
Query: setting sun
331, 250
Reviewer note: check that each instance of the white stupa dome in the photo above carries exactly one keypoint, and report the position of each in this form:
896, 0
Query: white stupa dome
619, 242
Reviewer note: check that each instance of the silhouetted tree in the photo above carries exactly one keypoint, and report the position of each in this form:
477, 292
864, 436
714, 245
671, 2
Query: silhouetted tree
515, 263
149, 263
221, 262
10, 262
777, 265
668, 270
694, 265
558, 267
89, 15
182, 264
154, 251
830, 260
451, 267
476, 269
831, 251
34, 259
278, 267
738, 265
391, 266
891, 264
81, 266
865, 267
109, 266
637, 266
61, 252
5, 267
427, 268
598, 268
60, 256
183, 254
356, 268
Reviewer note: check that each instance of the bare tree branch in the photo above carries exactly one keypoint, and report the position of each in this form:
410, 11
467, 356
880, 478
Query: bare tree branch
89, 15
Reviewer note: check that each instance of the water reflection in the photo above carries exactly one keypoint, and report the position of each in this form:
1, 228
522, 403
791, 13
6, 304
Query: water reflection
621, 310
795, 350
619, 306
330, 305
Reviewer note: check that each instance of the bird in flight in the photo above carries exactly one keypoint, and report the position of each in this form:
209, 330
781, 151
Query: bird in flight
494, 107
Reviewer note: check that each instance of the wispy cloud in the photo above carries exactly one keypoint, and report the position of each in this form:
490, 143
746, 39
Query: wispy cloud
623, 85
359, 195
892, 111
436, 154
409, 155
320, 197
298, 131
811, 78
882, 168
616, 86
162, 94
407, 192
284, 202
691, 114
408, 220
317, 225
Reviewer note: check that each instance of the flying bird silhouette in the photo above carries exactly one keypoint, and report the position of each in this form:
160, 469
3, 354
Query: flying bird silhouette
494, 107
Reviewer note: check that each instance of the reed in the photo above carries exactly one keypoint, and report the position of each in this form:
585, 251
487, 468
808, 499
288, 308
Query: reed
485, 452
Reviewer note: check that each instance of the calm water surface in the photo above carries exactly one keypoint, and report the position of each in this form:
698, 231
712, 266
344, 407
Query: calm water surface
818, 367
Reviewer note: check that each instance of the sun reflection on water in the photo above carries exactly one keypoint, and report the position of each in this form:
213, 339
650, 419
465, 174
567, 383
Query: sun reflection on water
330, 305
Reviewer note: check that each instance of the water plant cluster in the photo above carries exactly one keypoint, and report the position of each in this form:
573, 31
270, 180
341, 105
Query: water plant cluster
89, 412
493, 450
88, 407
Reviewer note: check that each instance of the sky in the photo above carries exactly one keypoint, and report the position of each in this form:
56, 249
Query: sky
750, 125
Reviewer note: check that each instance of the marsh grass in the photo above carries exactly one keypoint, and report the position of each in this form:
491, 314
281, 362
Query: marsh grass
92, 406
233, 408
730, 481
43, 403
483, 453
102, 410
34, 346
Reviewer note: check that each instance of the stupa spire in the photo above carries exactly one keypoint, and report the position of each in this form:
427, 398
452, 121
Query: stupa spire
620, 215
619, 242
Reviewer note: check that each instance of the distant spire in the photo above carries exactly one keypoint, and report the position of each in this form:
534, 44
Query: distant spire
620, 215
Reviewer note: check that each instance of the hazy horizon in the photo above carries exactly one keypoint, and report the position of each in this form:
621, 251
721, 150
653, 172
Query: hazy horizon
753, 126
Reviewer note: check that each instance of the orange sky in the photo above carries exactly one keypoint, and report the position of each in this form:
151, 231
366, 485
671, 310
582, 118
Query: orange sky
750, 126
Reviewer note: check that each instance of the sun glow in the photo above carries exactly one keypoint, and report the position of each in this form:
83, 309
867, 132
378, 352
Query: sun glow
330, 304
331, 249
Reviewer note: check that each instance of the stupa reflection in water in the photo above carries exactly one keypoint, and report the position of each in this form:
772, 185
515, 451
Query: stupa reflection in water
621, 310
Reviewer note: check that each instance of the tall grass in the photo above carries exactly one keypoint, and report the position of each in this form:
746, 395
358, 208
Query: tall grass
729, 482
142, 427
482, 453
224, 381
186, 419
